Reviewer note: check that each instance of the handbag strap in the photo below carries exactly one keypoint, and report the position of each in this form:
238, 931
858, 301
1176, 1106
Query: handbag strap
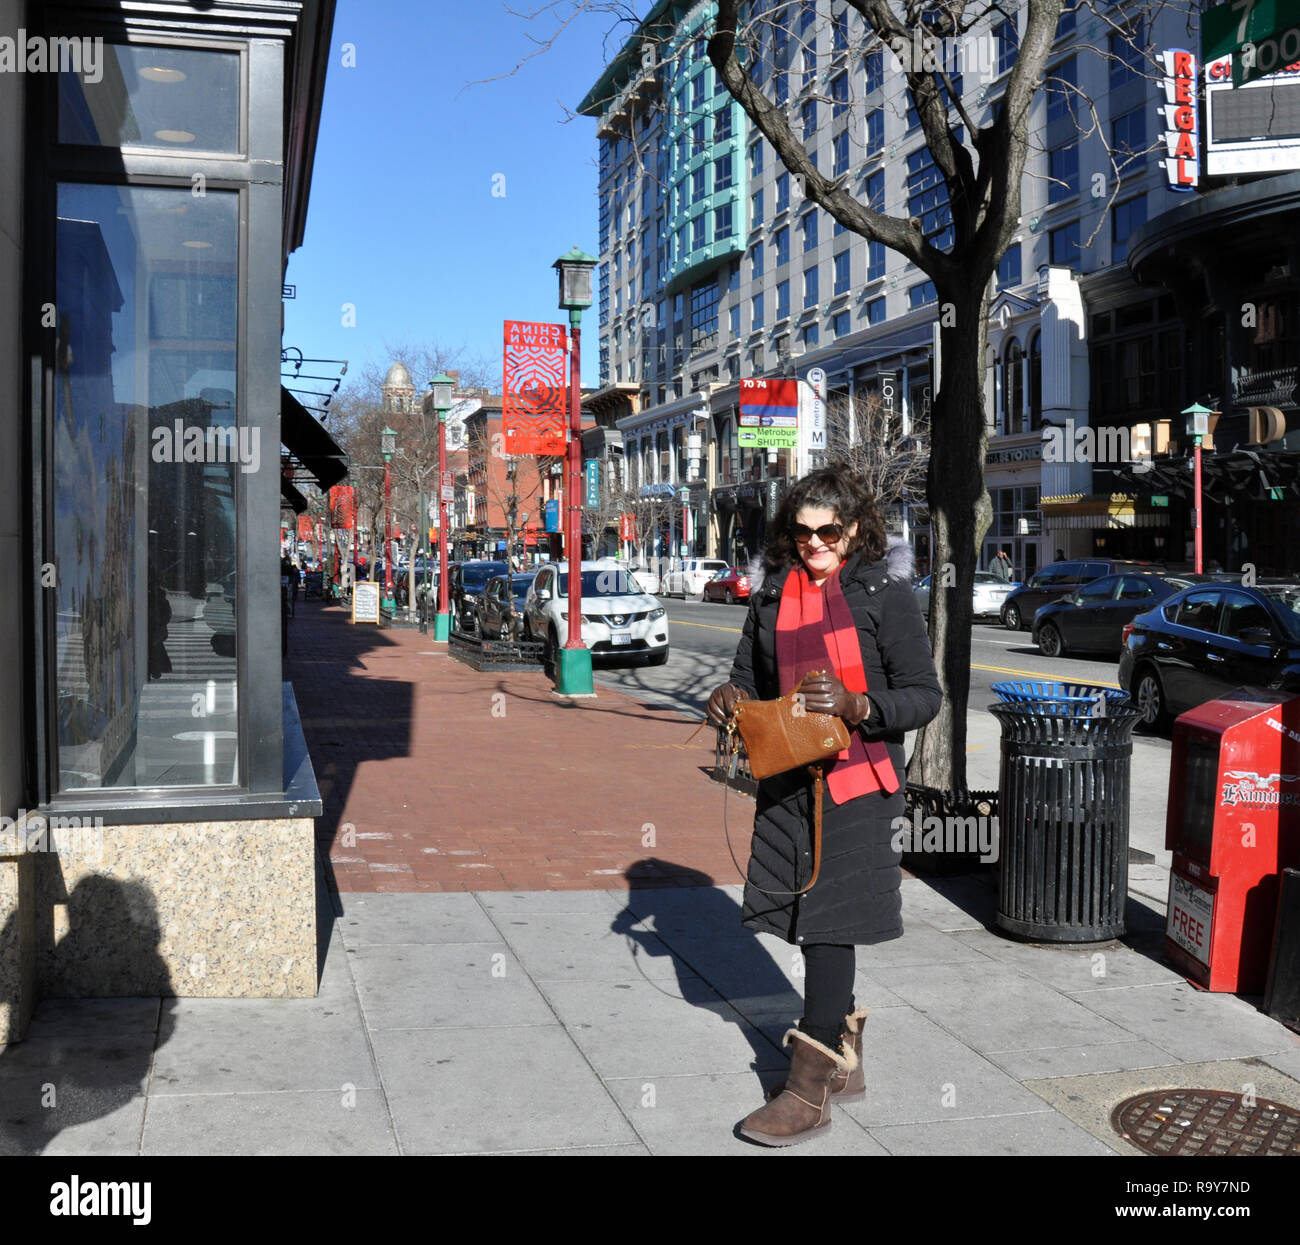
733, 748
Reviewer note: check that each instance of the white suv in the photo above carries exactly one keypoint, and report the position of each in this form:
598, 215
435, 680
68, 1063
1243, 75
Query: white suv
690, 577
618, 619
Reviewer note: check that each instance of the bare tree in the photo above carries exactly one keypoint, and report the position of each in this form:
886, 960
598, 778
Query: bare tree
869, 439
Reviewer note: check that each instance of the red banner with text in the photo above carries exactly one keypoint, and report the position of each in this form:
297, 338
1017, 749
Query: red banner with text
535, 391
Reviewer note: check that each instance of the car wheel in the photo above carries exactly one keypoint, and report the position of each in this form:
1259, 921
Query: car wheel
1011, 617
1149, 697
658, 659
1050, 643
729, 597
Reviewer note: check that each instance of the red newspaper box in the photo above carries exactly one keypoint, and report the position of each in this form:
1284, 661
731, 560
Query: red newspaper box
1233, 825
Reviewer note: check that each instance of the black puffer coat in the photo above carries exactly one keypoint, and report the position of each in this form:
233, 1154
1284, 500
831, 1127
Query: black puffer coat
856, 898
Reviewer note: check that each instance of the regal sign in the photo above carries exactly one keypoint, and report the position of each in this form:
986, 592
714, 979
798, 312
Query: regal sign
534, 404
1182, 126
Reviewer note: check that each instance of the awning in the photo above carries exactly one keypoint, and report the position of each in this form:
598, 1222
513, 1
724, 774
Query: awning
296, 501
1238, 476
306, 439
1088, 511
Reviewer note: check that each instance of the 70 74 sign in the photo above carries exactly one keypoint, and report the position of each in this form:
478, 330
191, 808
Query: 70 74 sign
1261, 36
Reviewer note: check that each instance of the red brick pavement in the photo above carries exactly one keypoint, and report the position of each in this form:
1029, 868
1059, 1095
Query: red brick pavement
435, 776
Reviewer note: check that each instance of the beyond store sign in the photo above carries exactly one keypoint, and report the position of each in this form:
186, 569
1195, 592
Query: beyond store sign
1182, 127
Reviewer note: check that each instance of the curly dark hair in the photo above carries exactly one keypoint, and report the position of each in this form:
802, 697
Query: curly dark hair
832, 488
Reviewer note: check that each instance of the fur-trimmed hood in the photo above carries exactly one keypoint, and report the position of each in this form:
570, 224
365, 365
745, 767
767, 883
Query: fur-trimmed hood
900, 563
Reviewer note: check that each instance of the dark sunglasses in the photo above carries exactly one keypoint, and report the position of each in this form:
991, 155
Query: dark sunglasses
828, 533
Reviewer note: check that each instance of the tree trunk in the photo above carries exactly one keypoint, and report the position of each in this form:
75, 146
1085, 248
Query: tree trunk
959, 516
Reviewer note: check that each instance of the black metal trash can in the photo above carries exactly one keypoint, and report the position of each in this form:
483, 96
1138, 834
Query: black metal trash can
1063, 810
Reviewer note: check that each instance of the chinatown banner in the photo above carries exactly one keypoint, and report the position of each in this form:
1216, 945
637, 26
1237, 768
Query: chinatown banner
343, 504
534, 400
306, 527
627, 527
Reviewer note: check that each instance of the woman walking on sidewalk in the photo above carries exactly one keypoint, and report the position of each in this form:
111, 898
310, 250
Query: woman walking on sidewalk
836, 598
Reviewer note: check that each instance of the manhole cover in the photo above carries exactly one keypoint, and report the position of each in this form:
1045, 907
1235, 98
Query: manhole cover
1206, 1121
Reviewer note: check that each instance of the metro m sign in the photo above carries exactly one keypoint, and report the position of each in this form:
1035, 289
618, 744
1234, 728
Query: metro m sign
1182, 127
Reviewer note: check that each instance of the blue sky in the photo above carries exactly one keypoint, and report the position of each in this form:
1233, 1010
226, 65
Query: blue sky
402, 221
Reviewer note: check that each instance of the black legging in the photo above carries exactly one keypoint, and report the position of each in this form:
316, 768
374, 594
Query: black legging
828, 991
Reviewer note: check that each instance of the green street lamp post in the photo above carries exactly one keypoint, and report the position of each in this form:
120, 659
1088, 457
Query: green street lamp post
442, 385
388, 444
1198, 426
573, 673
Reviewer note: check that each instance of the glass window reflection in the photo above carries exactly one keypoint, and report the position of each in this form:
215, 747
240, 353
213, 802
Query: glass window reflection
146, 452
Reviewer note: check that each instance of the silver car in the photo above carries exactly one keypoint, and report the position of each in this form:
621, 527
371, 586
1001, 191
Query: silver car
986, 597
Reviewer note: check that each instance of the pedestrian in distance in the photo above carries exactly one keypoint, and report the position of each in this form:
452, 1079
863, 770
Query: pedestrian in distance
1001, 567
1060, 555
836, 597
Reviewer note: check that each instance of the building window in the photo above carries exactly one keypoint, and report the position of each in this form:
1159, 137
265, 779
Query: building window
875, 131
146, 610
874, 65
698, 142
756, 159
756, 262
1008, 41
840, 31
1126, 58
841, 325
697, 233
840, 150
1125, 218
756, 209
810, 335
704, 314
733, 321
1013, 388
1062, 90
927, 198
783, 192
839, 95
921, 294
1069, 15
1128, 136
756, 316
875, 260
809, 226
697, 90
842, 262
722, 124
876, 191
783, 245
722, 173
1063, 168
722, 222
810, 291
1063, 244
1035, 382
1009, 267
697, 185
782, 300
874, 311
807, 15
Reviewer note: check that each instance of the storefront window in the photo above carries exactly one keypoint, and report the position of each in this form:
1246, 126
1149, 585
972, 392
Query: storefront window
147, 453
174, 98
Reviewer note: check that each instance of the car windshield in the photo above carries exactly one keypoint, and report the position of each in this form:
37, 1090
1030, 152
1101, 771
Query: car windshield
1286, 609
475, 577
987, 577
519, 585
614, 582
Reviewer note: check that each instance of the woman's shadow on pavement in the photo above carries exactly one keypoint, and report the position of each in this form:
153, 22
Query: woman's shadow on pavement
84, 1058
716, 959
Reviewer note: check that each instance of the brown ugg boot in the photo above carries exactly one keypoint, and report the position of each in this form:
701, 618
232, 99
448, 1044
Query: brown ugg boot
845, 1086
803, 1110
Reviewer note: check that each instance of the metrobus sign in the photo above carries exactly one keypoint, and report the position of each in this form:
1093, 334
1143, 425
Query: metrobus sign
1182, 125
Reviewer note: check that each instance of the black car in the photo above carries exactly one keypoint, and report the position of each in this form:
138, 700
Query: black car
1092, 618
468, 580
501, 615
1207, 640
1058, 579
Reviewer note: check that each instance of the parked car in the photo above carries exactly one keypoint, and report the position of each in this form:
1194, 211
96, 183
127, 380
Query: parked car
501, 612
1092, 618
468, 579
688, 578
1059, 579
618, 620
1207, 640
987, 595
729, 585
648, 578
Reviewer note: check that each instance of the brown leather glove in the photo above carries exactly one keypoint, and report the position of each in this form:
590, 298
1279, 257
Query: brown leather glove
722, 702
824, 693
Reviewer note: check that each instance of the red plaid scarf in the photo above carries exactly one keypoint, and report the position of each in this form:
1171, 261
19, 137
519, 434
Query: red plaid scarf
815, 631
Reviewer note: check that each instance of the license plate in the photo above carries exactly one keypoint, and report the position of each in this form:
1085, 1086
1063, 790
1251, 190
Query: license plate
620, 637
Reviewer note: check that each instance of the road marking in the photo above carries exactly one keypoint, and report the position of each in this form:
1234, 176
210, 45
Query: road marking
1037, 675
681, 622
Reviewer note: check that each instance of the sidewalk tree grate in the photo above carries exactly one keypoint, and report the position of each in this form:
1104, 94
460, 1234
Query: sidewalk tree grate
1206, 1121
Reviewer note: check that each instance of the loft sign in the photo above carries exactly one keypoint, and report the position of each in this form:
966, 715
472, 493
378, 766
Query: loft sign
1182, 127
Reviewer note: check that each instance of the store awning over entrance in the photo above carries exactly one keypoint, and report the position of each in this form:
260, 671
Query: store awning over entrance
1093, 510
307, 441
1241, 475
